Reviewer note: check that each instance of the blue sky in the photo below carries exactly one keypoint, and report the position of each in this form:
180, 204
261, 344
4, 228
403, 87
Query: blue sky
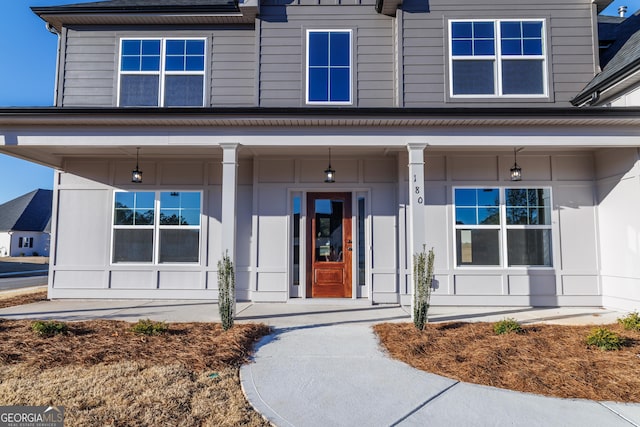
27, 79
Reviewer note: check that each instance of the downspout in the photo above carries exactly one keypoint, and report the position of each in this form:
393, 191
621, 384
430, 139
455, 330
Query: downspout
378, 6
53, 30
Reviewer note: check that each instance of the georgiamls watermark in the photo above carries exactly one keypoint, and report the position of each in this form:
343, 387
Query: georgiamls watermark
31, 416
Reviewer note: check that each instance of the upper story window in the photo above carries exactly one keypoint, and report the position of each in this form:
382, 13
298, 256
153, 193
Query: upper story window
329, 67
162, 72
498, 58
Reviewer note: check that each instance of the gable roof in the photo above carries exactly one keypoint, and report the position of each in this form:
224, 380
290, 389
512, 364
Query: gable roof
131, 6
621, 62
618, 30
29, 212
141, 12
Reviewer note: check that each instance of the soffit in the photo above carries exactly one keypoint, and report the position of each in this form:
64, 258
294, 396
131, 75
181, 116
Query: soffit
149, 12
311, 118
58, 21
602, 4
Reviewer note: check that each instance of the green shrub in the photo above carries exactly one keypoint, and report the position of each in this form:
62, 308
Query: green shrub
226, 291
605, 339
631, 321
506, 326
423, 282
149, 327
48, 328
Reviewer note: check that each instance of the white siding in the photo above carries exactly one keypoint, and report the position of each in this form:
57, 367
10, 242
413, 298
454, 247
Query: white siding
573, 279
619, 227
82, 266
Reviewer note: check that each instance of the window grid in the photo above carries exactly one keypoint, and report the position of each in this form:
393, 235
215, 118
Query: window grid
25, 242
329, 67
504, 227
164, 63
156, 225
477, 52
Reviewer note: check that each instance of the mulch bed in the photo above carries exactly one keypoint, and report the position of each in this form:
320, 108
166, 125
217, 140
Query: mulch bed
195, 345
25, 298
552, 360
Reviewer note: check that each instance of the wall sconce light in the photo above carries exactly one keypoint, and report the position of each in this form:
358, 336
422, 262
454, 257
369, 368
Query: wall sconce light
329, 172
136, 174
516, 171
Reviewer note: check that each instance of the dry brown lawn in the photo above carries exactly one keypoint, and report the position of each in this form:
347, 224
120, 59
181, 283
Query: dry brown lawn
20, 297
552, 360
104, 374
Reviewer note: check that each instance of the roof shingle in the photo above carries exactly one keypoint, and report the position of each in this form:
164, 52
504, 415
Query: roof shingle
29, 212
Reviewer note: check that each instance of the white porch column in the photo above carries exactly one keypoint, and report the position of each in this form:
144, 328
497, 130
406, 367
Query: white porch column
229, 196
417, 227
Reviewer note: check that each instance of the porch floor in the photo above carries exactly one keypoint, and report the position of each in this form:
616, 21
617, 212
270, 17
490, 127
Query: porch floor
293, 314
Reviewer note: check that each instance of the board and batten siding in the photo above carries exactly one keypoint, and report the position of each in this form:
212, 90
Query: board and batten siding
89, 77
277, 178
573, 278
81, 263
425, 54
618, 185
282, 56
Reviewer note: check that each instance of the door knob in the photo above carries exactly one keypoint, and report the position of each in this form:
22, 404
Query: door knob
349, 249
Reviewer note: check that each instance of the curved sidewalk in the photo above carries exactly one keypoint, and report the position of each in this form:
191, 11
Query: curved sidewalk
335, 374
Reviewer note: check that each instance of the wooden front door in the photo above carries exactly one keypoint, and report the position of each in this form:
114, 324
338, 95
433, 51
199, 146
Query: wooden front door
330, 245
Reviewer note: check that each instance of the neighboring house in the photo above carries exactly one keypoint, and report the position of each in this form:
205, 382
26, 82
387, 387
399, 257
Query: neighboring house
618, 84
25, 224
237, 112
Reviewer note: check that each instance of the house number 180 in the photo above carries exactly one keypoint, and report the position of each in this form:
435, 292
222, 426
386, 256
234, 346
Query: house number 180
418, 191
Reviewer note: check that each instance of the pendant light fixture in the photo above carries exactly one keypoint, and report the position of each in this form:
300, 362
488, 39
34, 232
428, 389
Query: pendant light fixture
136, 174
330, 174
516, 171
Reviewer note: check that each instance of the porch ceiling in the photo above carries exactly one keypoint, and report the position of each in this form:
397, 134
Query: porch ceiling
54, 155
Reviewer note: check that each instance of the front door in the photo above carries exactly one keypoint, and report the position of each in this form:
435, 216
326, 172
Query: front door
330, 241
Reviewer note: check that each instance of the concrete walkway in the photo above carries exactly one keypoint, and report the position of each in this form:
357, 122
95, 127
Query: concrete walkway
323, 366
326, 369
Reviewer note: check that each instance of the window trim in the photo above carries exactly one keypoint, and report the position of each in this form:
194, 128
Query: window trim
498, 58
308, 32
156, 227
162, 73
502, 228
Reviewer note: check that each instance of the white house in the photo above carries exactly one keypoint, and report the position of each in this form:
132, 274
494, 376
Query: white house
25, 224
236, 113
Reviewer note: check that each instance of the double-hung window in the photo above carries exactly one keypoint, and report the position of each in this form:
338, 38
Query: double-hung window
329, 71
528, 225
498, 58
162, 72
25, 242
509, 226
477, 226
156, 227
